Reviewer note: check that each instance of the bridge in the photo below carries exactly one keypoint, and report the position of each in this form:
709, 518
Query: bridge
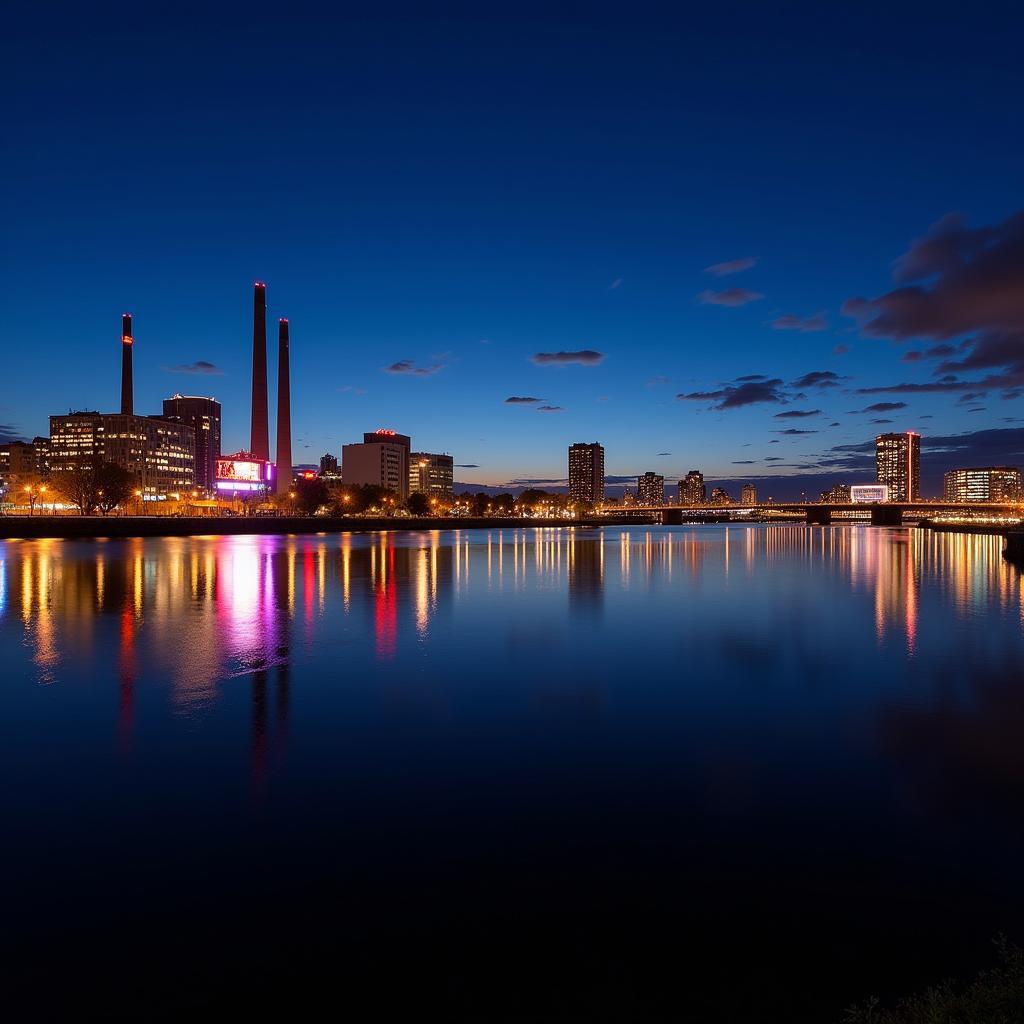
816, 513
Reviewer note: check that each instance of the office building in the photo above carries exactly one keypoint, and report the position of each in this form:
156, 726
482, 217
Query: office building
329, 467
748, 494
586, 473
432, 475
203, 416
159, 453
692, 490
21, 460
650, 489
382, 460
898, 465
838, 494
986, 483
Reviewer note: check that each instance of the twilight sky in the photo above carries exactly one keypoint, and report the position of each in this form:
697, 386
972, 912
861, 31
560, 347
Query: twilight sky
743, 239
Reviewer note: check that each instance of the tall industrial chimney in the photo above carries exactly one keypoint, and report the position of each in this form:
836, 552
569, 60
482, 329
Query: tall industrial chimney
127, 395
284, 411
260, 437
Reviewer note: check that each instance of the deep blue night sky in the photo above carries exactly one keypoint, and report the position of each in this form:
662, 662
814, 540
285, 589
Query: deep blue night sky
458, 191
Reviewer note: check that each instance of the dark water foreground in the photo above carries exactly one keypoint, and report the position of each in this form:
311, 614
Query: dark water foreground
710, 774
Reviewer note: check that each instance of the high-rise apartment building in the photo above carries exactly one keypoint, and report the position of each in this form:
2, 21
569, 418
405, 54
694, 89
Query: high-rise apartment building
382, 460
650, 489
432, 475
898, 465
748, 494
692, 490
986, 483
203, 416
586, 473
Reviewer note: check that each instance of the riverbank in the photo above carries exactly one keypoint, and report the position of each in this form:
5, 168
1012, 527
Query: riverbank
93, 527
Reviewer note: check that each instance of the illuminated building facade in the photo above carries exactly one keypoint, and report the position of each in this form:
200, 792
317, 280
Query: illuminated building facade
382, 460
650, 489
868, 494
159, 453
985, 483
748, 495
838, 494
432, 475
243, 473
720, 496
20, 460
898, 465
203, 416
586, 473
692, 490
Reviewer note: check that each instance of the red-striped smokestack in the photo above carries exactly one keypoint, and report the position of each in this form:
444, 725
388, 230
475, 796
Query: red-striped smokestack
284, 411
259, 443
127, 391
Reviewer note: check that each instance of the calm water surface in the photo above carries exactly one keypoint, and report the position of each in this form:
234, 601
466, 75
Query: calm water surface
746, 774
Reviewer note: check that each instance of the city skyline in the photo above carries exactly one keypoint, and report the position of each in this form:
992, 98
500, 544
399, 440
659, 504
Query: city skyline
501, 288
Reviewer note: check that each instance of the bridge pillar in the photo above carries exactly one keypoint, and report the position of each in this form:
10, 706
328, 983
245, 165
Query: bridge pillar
671, 517
886, 515
819, 516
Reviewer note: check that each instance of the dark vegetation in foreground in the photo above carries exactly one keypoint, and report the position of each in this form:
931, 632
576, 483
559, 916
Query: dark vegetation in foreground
995, 996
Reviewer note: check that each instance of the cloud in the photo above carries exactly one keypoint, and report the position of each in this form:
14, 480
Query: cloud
804, 324
818, 379
550, 408
659, 454
792, 432
354, 390
533, 482
200, 366
731, 266
773, 458
729, 297
840, 350
408, 366
953, 281
466, 465
657, 380
752, 376
797, 414
9, 432
734, 396
880, 421
585, 356
521, 400
882, 407
835, 424
745, 462
942, 386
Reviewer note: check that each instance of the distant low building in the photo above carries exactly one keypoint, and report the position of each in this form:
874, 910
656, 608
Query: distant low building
650, 489
748, 494
838, 494
983, 483
868, 494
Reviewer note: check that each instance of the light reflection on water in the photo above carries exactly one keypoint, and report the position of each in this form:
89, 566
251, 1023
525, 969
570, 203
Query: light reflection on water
782, 690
